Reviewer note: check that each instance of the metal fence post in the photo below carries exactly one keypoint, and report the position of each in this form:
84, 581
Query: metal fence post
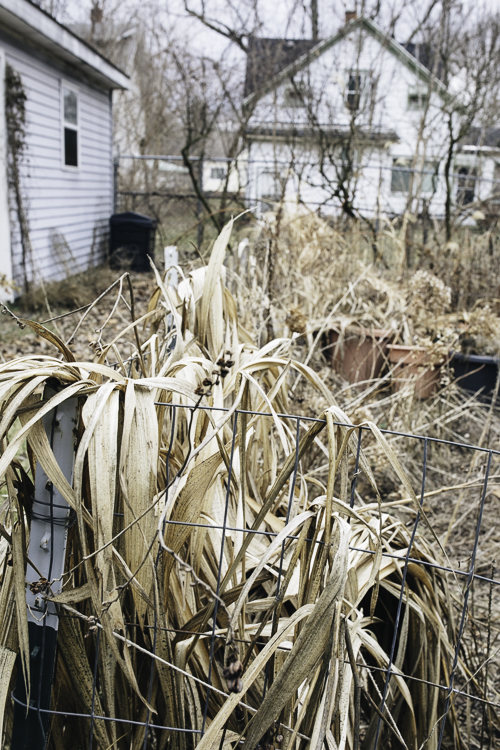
116, 167
50, 521
199, 208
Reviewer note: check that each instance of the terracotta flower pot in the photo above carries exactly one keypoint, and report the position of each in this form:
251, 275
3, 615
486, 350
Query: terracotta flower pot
414, 364
360, 354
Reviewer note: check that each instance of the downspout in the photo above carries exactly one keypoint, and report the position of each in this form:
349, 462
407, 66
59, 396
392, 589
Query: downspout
6, 295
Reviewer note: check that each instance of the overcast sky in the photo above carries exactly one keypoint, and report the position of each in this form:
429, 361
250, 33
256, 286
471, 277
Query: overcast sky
279, 18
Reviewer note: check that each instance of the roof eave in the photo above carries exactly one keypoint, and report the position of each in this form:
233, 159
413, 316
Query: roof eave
469, 148
339, 133
31, 24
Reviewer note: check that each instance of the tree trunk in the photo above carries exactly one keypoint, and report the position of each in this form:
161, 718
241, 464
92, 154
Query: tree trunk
447, 170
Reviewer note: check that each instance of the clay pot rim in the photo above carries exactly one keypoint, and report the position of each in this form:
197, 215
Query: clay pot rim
405, 354
407, 347
375, 333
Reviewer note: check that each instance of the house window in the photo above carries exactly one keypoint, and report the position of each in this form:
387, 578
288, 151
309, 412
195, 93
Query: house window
217, 173
70, 127
466, 186
402, 172
295, 97
355, 84
429, 177
272, 188
400, 175
418, 98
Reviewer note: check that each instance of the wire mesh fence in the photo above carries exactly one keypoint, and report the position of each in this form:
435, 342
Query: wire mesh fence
469, 264
409, 637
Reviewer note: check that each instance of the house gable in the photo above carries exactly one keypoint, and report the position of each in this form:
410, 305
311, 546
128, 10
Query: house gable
421, 73
357, 104
392, 97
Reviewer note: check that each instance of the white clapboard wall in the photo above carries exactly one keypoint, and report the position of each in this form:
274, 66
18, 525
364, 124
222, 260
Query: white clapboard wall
68, 210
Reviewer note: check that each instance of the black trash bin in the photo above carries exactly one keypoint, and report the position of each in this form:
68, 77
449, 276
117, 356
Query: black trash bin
477, 374
131, 240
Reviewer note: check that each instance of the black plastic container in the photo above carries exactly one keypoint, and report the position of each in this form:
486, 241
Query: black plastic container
131, 241
475, 373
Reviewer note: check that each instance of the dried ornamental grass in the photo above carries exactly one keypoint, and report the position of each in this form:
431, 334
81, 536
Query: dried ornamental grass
165, 492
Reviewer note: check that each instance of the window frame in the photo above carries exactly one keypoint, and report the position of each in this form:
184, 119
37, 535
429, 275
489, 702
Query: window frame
219, 177
429, 171
466, 184
422, 96
67, 86
397, 174
364, 76
275, 183
295, 96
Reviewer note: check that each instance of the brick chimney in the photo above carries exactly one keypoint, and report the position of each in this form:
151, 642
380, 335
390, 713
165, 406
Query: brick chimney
350, 15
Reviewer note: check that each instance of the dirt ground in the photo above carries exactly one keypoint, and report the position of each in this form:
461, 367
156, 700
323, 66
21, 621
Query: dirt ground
66, 297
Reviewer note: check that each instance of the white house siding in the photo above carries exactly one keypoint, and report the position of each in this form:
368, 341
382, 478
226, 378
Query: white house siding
68, 210
326, 77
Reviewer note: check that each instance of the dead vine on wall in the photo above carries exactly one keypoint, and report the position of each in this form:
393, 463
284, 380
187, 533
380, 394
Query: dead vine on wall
15, 116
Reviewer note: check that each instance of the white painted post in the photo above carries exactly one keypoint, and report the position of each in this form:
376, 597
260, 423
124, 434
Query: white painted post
47, 551
6, 295
172, 259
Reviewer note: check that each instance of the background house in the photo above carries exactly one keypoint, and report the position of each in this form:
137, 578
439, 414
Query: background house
357, 123
54, 221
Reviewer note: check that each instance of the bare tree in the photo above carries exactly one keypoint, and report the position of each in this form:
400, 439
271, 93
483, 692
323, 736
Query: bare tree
468, 54
185, 101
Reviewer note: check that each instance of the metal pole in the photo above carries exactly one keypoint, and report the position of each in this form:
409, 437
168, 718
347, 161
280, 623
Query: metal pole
116, 166
47, 550
199, 207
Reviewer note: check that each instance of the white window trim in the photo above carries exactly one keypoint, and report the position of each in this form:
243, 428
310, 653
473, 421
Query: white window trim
428, 167
423, 93
221, 177
299, 88
70, 87
365, 75
394, 163
420, 172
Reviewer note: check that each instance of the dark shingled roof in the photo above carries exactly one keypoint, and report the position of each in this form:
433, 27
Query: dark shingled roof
267, 57
426, 55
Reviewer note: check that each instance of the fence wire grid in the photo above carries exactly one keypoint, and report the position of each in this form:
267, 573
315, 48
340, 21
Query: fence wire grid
471, 700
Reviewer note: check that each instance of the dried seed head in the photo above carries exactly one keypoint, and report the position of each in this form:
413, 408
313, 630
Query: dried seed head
37, 587
234, 686
232, 674
234, 669
93, 622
